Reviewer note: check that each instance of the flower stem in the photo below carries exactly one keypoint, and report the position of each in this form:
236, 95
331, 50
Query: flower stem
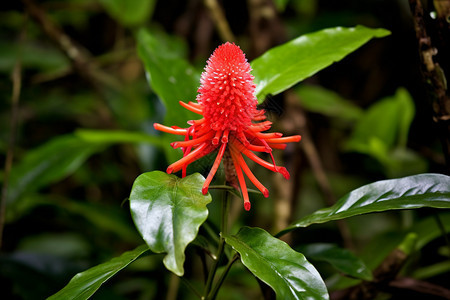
213, 294
220, 249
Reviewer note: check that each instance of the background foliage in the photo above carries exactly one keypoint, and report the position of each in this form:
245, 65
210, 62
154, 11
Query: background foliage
83, 132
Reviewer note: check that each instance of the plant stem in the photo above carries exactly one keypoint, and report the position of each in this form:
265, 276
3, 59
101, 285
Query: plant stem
219, 254
17, 84
442, 229
191, 287
213, 294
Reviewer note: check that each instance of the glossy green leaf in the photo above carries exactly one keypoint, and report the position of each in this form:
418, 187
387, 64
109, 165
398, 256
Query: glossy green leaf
424, 190
130, 12
117, 136
49, 163
168, 212
281, 67
342, 259
170, 76
286, 271
85, 284
320, 100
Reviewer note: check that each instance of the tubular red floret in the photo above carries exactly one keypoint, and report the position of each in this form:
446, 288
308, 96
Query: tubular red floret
268, 135
283, 140
258, 148
192, 142
194, 155
214, 168
225, 136
190, 107
215, 140
241, 180
263, 126
240, 160
264, 163
177, 131
277, 146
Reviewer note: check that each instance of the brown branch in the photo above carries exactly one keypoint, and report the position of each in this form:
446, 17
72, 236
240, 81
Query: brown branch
382, 276
219, 20
315, 162
426, 289
80, 57
16, 88
433, 52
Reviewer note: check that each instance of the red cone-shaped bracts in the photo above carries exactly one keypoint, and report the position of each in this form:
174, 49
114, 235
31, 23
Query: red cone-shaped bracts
231, 122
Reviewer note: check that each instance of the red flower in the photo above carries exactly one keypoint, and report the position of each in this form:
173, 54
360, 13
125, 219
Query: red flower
231, 121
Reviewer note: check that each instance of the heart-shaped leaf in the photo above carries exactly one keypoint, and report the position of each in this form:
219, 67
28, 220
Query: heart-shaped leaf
423, 190
281, 67
341, 259
286, 271
168, 212
85, 284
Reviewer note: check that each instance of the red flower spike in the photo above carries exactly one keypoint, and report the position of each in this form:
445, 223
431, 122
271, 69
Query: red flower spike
231, 122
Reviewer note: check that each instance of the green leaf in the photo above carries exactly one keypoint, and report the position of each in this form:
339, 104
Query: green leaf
170, 76
396, 112
281, 67
320, 100
168, 212
85, 284
428, 228
49, 163
117, 136
423, 190
286, 271
31, 55
341, 259
281, 4
130, 12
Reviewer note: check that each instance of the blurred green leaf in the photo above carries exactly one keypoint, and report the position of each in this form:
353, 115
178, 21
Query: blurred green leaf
130, 13
428, 229
281, 67
341, 259
281, 4
67, 245
170, 76
424, 190
387, 122
32, 56
382, 133
320, 100
168, 212
375, 253
433, 270
286, 271
49, 163
117, 136
85, 284
104, 217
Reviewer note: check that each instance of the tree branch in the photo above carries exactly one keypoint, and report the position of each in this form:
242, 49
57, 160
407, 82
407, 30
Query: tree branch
220, 21
434, 63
